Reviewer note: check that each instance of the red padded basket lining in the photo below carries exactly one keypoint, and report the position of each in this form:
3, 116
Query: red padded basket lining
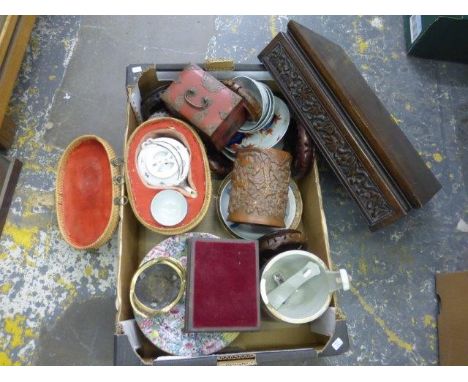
142, 195
87, 193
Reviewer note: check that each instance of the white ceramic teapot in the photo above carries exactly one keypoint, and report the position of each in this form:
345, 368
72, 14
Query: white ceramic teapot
164, 162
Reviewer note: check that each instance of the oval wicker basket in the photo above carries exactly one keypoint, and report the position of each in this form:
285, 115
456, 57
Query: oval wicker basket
138, 190
86, 192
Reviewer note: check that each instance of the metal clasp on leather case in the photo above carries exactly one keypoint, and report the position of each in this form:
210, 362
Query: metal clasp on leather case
118, 179
205, 101
121, 200
117, 162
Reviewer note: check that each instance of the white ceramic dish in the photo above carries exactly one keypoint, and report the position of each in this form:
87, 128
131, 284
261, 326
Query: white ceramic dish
270, 107
271, 136
259, 96
169, 208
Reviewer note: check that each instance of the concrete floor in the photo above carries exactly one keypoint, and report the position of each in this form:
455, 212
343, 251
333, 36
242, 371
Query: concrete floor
57, 304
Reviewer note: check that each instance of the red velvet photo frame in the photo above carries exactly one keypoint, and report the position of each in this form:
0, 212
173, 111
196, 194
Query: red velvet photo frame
222, 286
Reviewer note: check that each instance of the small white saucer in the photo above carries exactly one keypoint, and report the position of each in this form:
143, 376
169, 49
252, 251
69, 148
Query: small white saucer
169, 208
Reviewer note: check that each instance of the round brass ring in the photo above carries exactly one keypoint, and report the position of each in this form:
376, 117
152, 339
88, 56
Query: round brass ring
141, 308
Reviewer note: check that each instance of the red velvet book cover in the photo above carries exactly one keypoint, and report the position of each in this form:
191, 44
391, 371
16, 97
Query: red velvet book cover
222, 286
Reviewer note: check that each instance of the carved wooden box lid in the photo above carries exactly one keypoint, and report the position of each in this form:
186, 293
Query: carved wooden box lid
350, 126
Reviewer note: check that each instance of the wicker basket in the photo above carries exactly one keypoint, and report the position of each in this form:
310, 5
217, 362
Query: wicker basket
132, 180
62, 208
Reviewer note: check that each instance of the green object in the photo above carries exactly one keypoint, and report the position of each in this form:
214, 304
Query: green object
437, 37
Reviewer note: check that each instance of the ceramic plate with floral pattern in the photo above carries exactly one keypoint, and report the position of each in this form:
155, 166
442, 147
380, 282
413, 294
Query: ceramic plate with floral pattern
271, 135
166, 330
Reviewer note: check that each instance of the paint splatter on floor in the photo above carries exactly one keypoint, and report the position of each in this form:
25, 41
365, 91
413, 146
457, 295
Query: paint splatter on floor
392, 336
40, 274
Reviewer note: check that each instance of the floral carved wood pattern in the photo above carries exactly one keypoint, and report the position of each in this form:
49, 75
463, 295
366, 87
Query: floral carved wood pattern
260, 182
328, 135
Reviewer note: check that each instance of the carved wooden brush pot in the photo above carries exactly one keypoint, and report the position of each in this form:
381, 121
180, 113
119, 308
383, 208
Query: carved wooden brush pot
260, 181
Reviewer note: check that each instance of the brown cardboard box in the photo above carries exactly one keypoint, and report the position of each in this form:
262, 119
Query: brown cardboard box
275, 342
452, 321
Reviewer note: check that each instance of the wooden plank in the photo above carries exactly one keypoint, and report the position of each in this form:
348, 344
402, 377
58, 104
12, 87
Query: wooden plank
7, 133
6, 32
12, 63
9, 173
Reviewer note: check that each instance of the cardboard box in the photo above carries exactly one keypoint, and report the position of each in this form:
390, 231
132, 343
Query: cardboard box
437, 37
452, 321
275, 342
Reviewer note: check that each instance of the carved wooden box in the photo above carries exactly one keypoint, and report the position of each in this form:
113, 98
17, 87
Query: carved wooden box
350, 126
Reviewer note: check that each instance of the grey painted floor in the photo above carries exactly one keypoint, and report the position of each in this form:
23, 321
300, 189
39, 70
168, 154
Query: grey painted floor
56, 304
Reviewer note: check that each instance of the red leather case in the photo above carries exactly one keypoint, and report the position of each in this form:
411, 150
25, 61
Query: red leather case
209, 105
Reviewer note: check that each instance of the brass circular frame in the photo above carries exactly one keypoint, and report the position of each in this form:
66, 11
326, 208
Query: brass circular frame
141, 308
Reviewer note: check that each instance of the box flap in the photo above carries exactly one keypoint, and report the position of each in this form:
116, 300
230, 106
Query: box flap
452, 320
